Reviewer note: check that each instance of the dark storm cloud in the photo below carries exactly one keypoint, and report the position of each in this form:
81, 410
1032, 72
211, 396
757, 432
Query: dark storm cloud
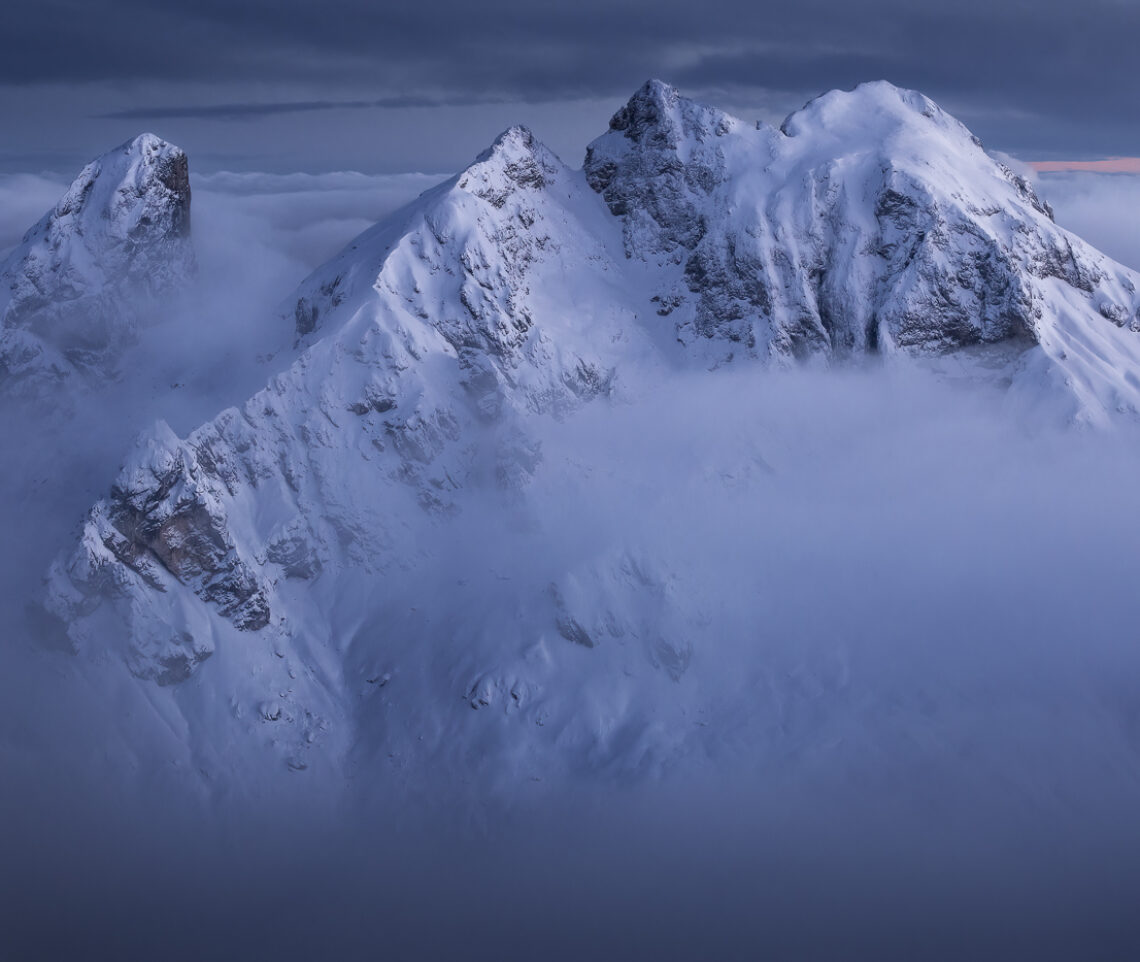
242, 111
1063, 67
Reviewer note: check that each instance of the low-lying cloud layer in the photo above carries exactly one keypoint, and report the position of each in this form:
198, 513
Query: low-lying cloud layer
1101, 208
912, 679
301, 219
298, 220
910, 622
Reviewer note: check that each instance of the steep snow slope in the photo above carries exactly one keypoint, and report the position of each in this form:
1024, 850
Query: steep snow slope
103, 261
422, 412
373, 549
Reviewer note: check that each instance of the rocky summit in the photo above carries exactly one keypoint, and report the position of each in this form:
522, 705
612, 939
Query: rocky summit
106, 259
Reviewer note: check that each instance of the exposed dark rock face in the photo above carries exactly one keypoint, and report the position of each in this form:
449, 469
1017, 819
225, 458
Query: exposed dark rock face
173, 172
960, 286
169, 521
665, 170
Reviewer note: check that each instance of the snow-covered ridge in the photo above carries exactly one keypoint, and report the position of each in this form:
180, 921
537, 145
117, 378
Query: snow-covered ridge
97, 265
430, 357
434, 349
871, 222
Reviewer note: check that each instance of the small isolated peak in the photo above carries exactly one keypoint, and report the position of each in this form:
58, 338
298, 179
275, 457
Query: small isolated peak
145, 153
659, 115
146, 145
514, 142
150, 158
655, 89
97, 264
516, 159
660, 145
647, 107
145, 166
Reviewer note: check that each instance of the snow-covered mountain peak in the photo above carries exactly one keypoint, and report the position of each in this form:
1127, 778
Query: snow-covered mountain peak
98, 264
872, 109
501, 190
902, 129
517, 159
127, 201
873, 223
658, 165
658, 116
129, 183
515, 146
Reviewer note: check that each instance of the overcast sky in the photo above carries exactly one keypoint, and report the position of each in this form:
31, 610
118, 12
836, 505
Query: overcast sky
380, 86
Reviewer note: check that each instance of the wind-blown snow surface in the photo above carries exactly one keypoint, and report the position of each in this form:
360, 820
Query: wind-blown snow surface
741, 456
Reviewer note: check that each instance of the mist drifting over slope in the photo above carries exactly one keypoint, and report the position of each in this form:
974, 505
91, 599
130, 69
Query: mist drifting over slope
909, 709
1090, 205
814, 663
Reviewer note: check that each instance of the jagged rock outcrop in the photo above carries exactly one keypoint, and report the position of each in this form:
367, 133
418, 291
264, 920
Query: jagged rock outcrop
106, 259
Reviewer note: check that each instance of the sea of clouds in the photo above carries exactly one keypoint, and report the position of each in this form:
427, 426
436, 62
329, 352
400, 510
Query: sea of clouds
928, 598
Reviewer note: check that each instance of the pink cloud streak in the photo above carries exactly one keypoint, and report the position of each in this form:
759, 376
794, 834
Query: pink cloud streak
1110, 165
